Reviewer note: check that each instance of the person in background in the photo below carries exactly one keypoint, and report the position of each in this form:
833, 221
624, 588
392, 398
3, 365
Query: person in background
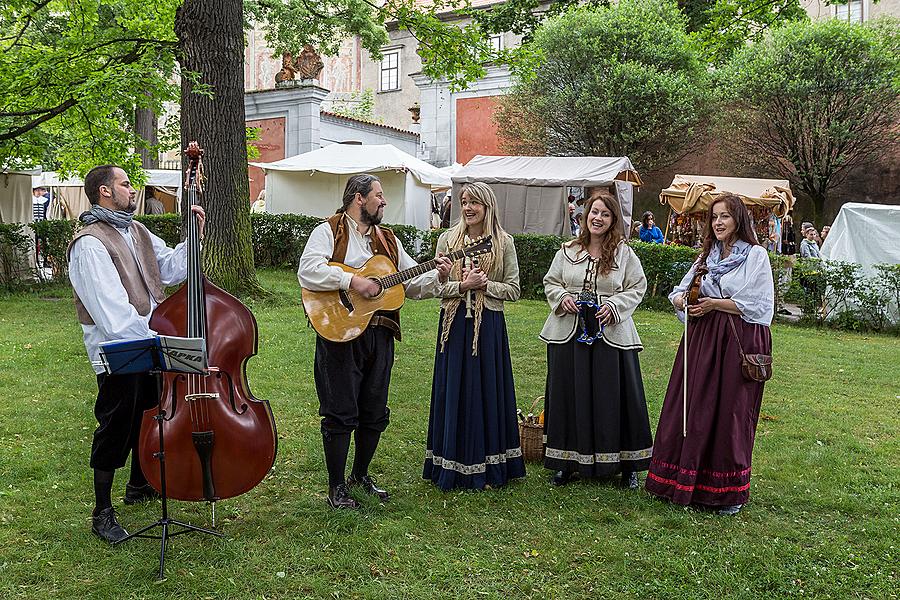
259, 205
825, 230
773, 243
39, 203
636, 229
649, 232
709, 465
574, 222
788, 241
473, 437
808, 247
596, 422
445, 211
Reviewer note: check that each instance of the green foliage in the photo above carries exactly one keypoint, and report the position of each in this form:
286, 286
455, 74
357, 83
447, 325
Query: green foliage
167, 226
54, 237
623, 80
837, 294
359, 105
535, 253
664, 265
278, 240
724, 26
811, 102
14, 247
73, 71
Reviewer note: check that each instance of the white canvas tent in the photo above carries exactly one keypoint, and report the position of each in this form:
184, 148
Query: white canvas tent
312, 183
531, 190
865, 234
16, 207
68, 200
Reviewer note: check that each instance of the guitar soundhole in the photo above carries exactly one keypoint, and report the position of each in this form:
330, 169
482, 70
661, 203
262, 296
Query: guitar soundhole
345, 300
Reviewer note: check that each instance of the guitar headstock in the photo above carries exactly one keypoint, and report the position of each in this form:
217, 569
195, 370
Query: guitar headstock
481, 245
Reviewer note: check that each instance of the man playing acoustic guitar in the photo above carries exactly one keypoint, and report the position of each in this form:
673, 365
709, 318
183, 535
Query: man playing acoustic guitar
352, 377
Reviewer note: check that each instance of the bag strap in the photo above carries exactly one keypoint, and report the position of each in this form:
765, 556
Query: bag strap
737, 339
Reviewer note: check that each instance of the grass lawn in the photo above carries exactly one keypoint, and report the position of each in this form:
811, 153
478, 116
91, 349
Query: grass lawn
823, 520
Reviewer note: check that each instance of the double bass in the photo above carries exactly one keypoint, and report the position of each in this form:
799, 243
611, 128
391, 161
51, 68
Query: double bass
220, 440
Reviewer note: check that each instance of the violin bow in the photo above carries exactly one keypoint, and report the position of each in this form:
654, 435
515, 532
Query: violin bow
685, 361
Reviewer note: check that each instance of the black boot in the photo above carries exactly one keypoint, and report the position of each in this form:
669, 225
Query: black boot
337, 445
630, 480
561, 478
106, 527
339, 497
368, 486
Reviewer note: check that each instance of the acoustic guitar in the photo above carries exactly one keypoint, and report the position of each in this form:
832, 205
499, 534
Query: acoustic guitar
342, 315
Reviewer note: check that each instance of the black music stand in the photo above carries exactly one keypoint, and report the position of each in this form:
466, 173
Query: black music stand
157, 355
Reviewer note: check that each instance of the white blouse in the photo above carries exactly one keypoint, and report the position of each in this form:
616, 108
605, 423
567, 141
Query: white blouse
750, 286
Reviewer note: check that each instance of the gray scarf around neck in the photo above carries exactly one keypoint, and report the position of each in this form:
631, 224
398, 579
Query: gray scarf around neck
117, 218
719, 266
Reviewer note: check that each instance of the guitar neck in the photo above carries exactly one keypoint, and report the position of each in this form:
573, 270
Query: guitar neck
401, 276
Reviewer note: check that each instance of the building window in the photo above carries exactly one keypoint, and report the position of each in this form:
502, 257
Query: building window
852, 11
496, 43
390, 71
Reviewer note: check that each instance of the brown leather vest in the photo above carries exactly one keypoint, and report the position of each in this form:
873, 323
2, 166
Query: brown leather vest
385, 244
138, 272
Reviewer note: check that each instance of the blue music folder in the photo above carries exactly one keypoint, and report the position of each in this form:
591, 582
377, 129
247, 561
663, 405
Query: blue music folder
158, 353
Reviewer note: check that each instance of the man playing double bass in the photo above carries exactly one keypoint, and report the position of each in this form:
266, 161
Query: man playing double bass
118, 270
352, 377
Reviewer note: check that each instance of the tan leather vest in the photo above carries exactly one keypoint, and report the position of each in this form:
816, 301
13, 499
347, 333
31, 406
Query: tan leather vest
138, 272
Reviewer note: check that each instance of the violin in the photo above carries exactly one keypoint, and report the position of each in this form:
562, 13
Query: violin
692, 294
220, 440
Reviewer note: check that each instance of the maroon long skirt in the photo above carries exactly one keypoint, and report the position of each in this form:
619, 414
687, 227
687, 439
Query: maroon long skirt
711, 465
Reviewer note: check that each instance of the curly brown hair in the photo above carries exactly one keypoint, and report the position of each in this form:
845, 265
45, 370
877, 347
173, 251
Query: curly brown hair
609, 241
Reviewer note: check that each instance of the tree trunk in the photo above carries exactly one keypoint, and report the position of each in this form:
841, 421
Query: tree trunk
211, 44
145, 128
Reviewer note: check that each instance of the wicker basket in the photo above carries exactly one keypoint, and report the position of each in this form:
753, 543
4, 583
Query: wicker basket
531, 435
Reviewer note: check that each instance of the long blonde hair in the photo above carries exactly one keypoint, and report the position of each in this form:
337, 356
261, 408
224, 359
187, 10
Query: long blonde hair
609, 242
484, 195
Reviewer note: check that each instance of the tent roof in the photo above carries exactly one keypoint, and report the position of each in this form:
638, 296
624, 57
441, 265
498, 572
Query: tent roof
347, 159
550, 171
155, 177
864, 234
695, 193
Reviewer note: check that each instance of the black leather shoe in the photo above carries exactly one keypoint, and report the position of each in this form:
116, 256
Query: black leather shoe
728, 511
630, 481
369, 487
561, 478
105, 526
135, 494
339, 497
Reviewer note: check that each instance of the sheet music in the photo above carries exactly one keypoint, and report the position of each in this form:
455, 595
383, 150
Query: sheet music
187, 355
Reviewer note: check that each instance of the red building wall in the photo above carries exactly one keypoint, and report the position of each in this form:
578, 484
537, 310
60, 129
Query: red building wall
271, 148
476, 133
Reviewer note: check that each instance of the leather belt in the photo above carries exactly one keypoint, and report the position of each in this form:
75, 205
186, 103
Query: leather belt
390, 324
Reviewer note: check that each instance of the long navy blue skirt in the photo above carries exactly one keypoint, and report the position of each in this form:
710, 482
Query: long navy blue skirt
473, 437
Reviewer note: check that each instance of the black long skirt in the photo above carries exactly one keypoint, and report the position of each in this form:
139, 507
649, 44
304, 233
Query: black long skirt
473, 438
595, 413
709, 466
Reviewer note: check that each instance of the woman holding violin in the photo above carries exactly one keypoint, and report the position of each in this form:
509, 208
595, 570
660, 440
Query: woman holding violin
596, 422
705, 436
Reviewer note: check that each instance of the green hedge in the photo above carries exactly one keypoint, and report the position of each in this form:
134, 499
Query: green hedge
822, 289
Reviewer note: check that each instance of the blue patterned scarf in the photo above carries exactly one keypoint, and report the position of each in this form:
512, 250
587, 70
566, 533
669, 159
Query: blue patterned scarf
719, 266
116, 218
